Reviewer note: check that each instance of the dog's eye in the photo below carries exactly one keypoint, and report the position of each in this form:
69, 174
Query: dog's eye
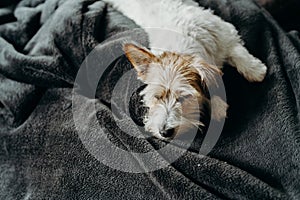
157, 97
180, 99
183, 98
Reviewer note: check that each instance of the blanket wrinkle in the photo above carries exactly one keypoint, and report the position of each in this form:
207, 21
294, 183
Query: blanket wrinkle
43, 44
17, 102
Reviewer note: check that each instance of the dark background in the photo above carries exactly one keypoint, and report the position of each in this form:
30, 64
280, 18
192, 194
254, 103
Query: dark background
286, 12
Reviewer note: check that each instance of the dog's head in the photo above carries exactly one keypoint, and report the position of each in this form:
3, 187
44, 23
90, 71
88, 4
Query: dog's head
174, 93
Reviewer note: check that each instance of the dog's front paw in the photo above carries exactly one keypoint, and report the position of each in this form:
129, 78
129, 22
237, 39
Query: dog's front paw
256, 72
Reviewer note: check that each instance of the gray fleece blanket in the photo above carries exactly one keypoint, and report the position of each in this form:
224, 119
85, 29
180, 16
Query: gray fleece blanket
43, 44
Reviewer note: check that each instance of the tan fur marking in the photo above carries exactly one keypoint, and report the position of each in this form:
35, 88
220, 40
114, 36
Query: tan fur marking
140, 58
213, 68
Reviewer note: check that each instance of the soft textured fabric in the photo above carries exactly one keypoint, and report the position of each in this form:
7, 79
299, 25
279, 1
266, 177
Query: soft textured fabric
43, 44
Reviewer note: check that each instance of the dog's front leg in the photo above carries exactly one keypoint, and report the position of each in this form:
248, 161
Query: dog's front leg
247, 65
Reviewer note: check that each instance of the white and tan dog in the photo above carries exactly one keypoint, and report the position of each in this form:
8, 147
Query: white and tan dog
176, 68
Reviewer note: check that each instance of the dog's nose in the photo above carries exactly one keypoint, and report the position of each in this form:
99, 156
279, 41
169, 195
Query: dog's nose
167, 133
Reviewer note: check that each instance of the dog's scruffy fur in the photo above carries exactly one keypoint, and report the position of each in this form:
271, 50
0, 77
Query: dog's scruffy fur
175, 75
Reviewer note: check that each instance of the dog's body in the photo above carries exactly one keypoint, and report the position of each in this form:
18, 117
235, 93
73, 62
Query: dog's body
179, 63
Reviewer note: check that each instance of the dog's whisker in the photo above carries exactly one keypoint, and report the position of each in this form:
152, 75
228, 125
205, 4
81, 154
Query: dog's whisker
194, 122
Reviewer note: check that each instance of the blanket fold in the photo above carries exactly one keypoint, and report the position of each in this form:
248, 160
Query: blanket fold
17, 101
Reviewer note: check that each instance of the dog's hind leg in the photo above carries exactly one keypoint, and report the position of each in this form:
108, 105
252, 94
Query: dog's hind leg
247, 65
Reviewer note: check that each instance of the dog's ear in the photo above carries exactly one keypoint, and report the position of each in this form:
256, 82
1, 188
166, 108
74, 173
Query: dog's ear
218, 108
208, 73
139, 57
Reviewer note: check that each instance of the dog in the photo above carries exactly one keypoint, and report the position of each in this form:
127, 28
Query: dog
177, 73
